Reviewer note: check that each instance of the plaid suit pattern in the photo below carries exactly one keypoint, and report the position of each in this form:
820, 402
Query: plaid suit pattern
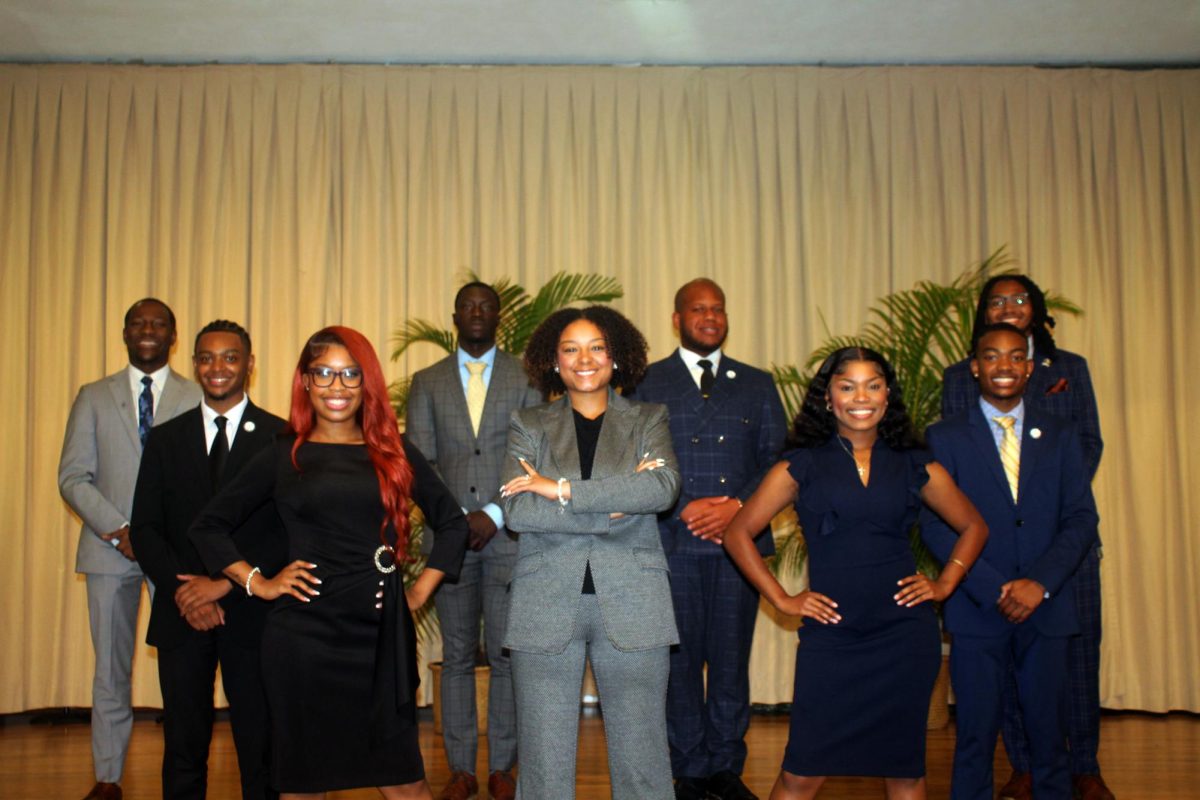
724, 445
1075, 400
438, 422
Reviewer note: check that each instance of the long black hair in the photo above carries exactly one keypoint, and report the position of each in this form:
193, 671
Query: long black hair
1039, 327
815, 423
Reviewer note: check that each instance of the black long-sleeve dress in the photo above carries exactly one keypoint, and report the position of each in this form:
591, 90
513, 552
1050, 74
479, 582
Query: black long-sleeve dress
340, 673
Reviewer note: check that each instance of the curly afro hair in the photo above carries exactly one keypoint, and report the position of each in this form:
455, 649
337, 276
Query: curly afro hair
815, 423
626, 345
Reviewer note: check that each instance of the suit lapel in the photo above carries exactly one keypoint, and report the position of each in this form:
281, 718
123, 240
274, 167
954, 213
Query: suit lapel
196, 446
245, 443
171, 397
502, 377
452, 392
723, 389
616, 437
685, 385
981, 435
564, 447
118, 386
1031, 449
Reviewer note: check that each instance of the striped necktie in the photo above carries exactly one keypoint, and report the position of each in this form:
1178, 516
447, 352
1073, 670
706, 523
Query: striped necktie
1010, 452
476, 393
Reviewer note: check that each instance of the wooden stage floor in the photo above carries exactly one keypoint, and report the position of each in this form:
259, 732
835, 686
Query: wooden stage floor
1145, 757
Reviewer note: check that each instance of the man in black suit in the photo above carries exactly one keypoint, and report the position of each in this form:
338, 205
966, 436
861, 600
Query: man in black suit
197, 621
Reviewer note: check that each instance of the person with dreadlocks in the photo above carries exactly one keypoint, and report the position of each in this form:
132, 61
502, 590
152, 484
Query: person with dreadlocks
1060, 385
339, 649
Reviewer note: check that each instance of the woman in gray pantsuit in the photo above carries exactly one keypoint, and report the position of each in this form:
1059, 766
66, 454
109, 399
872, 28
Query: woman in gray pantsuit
586, 476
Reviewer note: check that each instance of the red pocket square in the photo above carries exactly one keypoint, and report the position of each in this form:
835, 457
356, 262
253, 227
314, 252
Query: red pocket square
1061, 386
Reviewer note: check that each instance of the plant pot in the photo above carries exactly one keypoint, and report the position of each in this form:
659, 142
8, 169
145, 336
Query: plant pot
482, 674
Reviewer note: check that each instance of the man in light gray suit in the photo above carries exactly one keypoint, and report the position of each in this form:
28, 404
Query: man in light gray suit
458, 412
107, 429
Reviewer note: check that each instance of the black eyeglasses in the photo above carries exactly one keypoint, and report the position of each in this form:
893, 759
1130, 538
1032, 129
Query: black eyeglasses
323, 376
1001, 300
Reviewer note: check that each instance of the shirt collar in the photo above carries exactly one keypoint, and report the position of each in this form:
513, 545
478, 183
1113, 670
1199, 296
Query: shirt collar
692, 360
991, 412
488, 358
158, 377
233, 416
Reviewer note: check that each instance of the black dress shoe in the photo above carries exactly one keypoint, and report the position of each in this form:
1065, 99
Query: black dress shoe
690, 789
727, 785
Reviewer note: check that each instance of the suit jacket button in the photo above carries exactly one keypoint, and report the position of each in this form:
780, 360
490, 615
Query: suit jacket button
478, 452
720, 438
722, 479
472, 490
695, 440
1020, 522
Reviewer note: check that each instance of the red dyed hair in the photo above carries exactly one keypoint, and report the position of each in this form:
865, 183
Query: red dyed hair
381, 432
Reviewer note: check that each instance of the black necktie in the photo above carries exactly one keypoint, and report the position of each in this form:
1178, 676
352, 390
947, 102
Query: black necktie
145, 409
706, 377
216, 455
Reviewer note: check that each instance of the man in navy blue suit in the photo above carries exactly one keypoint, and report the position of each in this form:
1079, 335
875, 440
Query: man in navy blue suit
727, 428
1024, 470
1060, 385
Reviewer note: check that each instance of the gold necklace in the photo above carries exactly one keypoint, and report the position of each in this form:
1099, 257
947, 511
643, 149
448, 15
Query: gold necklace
862, 471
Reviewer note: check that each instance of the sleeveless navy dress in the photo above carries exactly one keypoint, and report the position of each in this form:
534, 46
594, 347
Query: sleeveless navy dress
862, 688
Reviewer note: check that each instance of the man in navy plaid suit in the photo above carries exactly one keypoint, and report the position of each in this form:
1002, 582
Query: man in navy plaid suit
727, 428
1060, 385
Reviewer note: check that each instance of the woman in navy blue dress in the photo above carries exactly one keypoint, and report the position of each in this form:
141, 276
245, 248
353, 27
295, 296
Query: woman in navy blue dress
869, 649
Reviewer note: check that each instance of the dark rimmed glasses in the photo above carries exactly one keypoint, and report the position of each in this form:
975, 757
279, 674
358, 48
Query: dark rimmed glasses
1001, 300
322, 377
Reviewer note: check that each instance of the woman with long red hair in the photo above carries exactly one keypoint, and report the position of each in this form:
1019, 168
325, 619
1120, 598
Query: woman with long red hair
339, 649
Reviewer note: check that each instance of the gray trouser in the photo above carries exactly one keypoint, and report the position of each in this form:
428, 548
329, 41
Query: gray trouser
633, 694
113, 612
482, 587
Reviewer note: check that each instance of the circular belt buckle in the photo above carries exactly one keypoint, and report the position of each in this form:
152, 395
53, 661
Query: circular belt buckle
379, 551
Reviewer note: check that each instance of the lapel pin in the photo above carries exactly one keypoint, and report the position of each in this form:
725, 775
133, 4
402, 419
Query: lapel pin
248, 426
730, 374
1045, 362
1035, 433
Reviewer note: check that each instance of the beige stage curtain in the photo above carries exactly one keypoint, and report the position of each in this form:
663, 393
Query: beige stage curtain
295, 196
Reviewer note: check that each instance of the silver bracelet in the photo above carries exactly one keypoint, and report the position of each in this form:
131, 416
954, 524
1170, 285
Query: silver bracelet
249, 578
562, 501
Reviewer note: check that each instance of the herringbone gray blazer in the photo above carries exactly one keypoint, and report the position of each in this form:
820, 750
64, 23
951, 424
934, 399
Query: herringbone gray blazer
99, 464
557, 543
438, 423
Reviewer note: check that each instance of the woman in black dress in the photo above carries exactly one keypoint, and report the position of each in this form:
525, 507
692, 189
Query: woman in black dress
339, 649
865, 672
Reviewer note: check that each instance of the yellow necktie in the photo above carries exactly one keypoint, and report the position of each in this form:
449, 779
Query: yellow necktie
1010, 452
476, 393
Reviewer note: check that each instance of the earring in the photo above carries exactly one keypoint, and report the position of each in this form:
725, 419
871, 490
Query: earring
615, 367
828, 406
556, 369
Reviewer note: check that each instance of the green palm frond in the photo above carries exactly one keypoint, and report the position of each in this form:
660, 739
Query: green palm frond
419, 330
563, 289
792, 384
398, 394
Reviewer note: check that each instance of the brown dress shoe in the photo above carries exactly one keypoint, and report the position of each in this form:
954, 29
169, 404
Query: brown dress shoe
462, 786
1090, 787
1019, 787
104, 791
502, 785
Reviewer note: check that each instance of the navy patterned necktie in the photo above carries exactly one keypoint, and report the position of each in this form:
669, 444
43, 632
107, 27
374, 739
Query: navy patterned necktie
145, 409
217, 454
707, 379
